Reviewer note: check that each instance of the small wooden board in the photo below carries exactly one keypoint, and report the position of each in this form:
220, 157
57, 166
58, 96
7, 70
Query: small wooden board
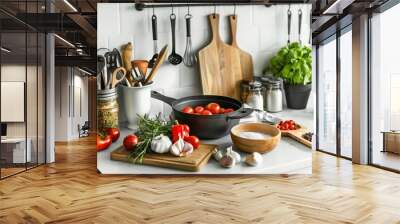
193, 162
246, 61
298, 135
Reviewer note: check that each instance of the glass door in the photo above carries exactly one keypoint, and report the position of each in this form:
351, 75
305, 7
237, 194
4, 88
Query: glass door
327, 97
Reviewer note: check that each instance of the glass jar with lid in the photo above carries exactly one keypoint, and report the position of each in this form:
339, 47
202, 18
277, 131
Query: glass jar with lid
273, 97
255, 97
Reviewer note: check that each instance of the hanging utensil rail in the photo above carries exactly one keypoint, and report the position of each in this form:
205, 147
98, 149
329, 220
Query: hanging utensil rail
183, 3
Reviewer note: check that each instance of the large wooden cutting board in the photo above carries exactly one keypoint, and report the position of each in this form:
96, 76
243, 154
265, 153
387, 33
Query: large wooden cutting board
298, 135
246, 60
193, 163
219, 65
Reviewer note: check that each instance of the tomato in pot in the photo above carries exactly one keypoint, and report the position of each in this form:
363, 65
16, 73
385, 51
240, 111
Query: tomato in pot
114, 133
103, 143
228, 110
130, 142
198, 109
188, 110
206, 112
213, 108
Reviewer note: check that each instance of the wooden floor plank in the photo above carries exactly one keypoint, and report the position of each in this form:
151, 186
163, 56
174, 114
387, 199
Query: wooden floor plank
71, 191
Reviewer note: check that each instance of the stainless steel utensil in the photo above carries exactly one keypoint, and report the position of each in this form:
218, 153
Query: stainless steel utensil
189, 58
174, 58
289, 14
300, 12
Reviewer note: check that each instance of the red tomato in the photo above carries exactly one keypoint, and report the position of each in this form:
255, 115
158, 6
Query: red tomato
103, 143
186, 128
286, 126
114, 133
188, 110
206, 112
193, 140
198, 109
229, 110
130, 142
213, 107
279, 126
292, 127
221, 110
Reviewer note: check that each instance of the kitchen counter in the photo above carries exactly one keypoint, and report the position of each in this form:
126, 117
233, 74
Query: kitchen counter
289, 157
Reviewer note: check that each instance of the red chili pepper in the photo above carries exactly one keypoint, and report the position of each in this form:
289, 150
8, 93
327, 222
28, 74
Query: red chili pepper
179, 131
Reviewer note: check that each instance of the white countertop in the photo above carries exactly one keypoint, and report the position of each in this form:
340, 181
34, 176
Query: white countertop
289, 157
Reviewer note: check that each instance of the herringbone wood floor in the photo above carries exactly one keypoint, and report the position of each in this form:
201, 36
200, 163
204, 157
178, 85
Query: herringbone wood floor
71, 191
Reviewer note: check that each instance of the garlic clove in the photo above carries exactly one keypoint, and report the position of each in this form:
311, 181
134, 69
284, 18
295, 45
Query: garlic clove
187, 149
227, 161
177, 147
218, 155
254, 159
229, 151
237, 157
181, 148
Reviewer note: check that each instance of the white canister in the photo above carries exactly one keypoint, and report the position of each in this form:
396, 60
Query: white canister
133, 101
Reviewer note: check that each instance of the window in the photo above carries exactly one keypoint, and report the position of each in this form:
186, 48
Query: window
385, 89
327, 97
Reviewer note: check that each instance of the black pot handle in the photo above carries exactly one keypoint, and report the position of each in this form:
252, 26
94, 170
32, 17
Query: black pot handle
165, 99
241, 113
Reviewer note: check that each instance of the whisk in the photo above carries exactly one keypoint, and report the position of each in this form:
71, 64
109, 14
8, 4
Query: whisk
189, 59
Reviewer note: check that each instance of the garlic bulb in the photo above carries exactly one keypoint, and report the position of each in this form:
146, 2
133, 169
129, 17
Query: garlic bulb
161, 144
227, 161
181, 148
254, 159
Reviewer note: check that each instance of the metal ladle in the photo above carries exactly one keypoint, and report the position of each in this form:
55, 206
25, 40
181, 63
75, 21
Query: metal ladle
174, 58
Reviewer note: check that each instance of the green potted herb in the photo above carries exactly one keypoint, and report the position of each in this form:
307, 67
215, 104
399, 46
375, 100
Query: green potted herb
293, 64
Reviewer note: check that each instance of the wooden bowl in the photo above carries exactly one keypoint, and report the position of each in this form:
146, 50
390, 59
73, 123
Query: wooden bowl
256, 145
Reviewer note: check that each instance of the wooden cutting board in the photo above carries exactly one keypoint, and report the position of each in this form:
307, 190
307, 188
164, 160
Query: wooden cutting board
246, 60
219, 65
298, 135
193, 163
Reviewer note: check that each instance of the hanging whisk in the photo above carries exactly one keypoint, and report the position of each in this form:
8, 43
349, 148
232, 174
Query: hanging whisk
189, 59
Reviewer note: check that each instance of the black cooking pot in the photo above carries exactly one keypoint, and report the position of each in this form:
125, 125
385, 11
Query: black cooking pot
206, 126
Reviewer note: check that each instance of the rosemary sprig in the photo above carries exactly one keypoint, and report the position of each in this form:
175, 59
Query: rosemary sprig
148, 129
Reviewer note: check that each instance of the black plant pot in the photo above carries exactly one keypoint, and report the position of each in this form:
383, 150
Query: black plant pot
297, 95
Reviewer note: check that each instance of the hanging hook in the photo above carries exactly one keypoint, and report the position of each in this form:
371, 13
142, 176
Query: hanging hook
172, 8
188, 12
234, 10
215, 9
153, 9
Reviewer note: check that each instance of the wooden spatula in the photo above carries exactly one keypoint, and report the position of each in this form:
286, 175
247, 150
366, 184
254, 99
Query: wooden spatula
159, 61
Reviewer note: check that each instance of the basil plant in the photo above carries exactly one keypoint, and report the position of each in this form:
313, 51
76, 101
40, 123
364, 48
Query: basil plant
293, 63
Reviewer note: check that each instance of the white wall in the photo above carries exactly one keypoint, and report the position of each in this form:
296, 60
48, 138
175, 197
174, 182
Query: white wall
262, 31
66, 119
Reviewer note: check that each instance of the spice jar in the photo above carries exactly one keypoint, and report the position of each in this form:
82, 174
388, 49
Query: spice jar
244, 90
273, 96
255, 98
107, 109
